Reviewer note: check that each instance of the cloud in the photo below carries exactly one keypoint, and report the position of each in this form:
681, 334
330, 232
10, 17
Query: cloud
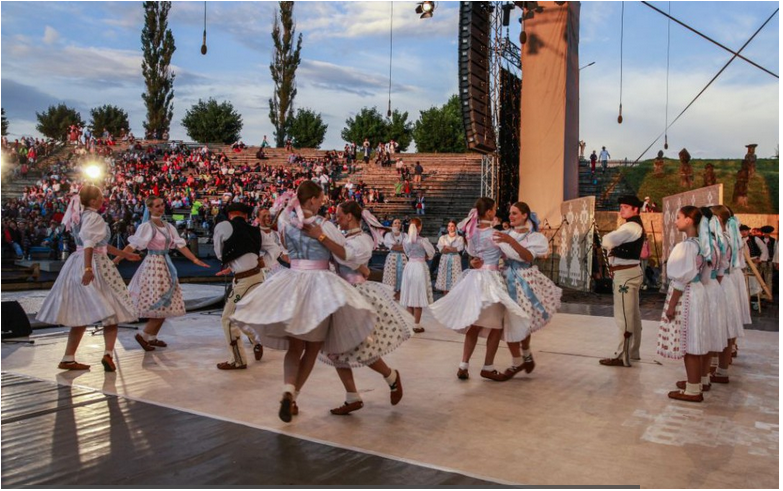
23, 101
50, 35
351, 80
727, 116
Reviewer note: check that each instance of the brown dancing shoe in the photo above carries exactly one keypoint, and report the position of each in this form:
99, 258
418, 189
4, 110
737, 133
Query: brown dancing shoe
529, 365
494, 375
512, 371
719, 379
258, 352
294, 409
157, 342
418, 330
286, 402
144, 343
72, 365
230, 366
396, 390
682, 396
612, 362
463, 374
704, 388
108, 364
347, 408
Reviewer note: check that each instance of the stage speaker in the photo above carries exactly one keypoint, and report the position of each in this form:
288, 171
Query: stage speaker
474, 75
15, 321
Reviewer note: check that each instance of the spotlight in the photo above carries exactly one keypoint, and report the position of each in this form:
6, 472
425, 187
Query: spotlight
425, 9
93, 171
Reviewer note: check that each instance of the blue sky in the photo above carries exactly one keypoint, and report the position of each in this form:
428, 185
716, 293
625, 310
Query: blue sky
87, 54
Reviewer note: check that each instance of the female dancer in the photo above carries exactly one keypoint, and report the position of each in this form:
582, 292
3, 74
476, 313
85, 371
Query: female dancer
393, 325
305, 308
538, 296
729, 271
154, 289
479, 303
713, 247
450, 246
416, 289
89, 289
681, 332
396, 260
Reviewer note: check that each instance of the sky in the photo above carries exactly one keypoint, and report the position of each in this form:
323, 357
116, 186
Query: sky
87, 54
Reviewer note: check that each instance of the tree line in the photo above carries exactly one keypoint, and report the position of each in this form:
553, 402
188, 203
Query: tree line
438, 129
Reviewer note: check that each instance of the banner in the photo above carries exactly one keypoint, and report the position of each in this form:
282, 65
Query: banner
576, 243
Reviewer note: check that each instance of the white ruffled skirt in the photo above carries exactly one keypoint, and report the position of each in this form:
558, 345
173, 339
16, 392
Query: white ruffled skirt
104, 301
416, 288
480, 298
716, 331
733, 310
685, 332
393, 326
316, 306
738, 278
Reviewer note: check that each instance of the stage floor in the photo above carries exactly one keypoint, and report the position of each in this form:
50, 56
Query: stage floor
571, 421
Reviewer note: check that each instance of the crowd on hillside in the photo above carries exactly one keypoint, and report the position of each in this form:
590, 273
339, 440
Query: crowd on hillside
195, 182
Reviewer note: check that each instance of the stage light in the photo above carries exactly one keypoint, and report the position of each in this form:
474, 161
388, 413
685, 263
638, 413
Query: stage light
93, 171
425, 9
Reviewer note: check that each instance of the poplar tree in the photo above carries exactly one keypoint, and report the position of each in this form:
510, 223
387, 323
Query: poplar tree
157, 44
283, 68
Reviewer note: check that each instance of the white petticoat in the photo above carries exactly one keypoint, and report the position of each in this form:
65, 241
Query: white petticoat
104, 301
738, 278
716, 332
309, 305
416, 288
480, 298
734, 304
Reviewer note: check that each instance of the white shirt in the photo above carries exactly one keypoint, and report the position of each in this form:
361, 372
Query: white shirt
223, 231
628, 232
390, 239
271, 247
456, 242
764, 249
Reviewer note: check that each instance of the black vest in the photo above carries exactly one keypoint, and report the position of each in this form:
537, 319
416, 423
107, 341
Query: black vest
630, 250
245, 239
753, 248
771, 247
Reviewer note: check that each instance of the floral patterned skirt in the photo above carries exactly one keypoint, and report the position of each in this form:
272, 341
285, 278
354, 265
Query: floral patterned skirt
151, 281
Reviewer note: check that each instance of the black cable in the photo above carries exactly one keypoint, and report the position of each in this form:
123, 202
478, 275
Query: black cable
622, 28
391, 44
668, 55
711, 40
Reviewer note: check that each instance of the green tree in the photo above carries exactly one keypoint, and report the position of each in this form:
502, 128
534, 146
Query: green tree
399, 129
157, 44
283, 68
210, 122
369, 123
5, 124
109, 118
440, 129
54, 122
307, 129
